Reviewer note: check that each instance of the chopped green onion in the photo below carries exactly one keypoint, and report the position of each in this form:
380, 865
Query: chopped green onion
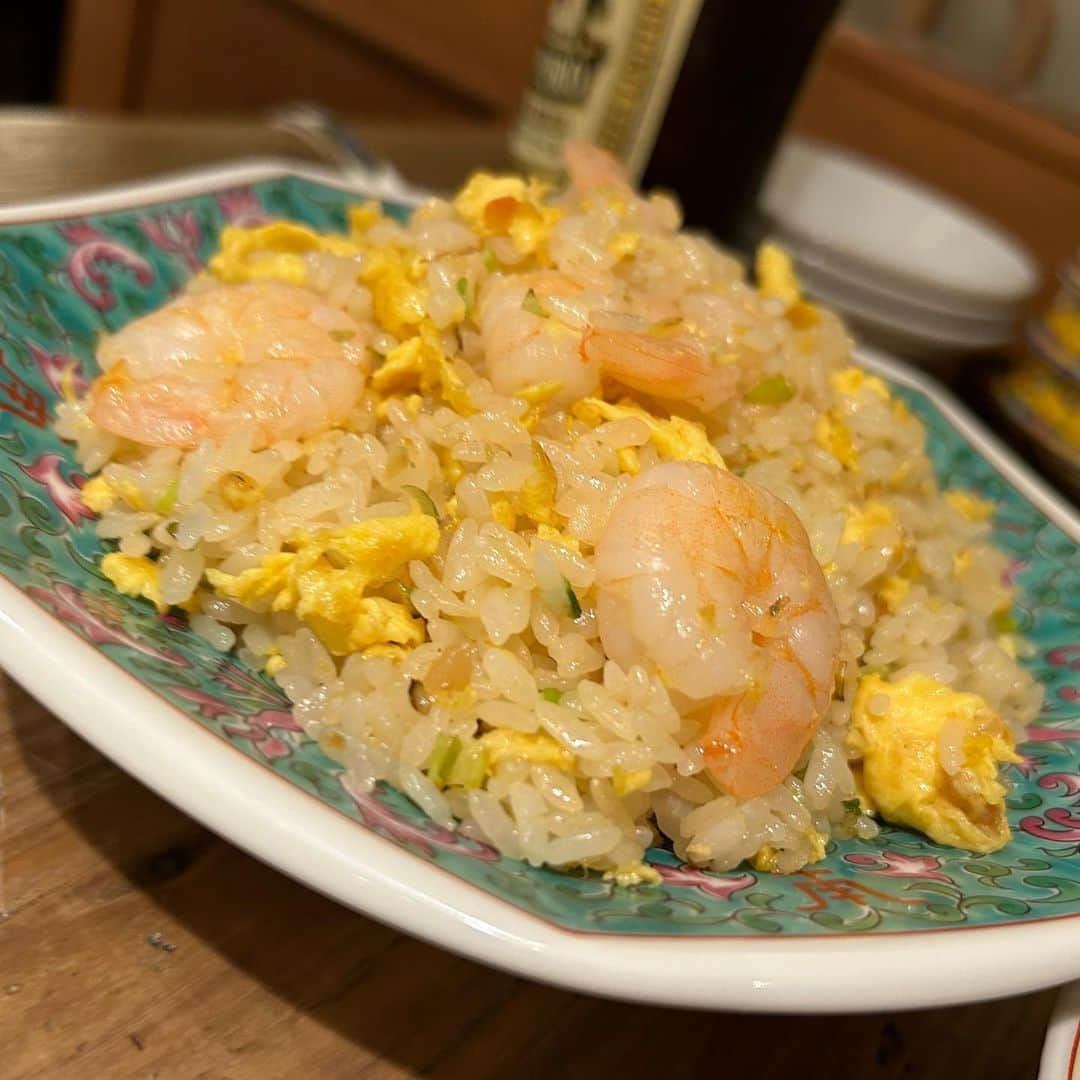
773, 390
532, 305
664, 327
423, 500
470, 768
1002, 622
343, 335
838, 681
401, 590
852, 806
491, 264
461, 287
442, 757
551, 694
167, 499
572, 600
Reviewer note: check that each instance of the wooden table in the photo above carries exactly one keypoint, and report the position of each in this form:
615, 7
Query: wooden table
137, 944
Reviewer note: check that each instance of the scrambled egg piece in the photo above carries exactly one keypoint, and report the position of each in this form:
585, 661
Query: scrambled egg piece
421, 362
272, 252
634, 873
134, 575
896, 729
324, 579
851, 380
551, 534
274, 661
536, 497
538, 748
775, 272
509, 206
623, 244
98, 495
623, 783
361, 216
776, 275
970, 506
398, 300
862, 522
676, 438
102, 493
831, 434
765, 858
893, 591
536, 396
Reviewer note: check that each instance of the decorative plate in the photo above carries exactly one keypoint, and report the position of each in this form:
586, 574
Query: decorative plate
895, 923
1061, 1051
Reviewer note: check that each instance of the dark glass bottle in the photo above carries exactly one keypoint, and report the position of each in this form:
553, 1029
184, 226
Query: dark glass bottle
691, 94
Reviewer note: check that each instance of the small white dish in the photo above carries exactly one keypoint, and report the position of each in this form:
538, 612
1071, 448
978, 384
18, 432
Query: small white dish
908, 237
1061, 1051
829, 272
930, 340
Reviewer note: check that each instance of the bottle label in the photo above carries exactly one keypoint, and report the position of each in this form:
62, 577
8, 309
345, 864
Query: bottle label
604, 73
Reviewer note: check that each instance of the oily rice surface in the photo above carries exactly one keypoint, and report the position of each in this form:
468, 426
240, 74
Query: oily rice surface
501, 714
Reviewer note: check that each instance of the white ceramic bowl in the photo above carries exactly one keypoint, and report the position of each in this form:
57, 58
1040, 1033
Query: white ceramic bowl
909, 239
835, 276
937, 343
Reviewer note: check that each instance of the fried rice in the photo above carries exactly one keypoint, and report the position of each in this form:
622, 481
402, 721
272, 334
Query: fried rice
473, 676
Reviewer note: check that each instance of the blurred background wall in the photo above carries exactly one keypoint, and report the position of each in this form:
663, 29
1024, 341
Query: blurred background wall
466, 60
980, 98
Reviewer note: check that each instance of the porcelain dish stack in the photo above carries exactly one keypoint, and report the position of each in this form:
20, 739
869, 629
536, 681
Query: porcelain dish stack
910, 269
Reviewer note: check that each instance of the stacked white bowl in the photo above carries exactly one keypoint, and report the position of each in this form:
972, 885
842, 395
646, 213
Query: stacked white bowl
912, 270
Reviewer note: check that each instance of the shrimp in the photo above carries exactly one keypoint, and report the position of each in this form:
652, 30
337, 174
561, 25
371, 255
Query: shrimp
527, 338
712, 581
672, 369
590, 167
267, 356
524, 345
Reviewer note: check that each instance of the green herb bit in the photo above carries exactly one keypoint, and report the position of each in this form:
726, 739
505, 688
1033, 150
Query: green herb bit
838, 681
665, 327
442, 757
471, 767
1002, 622
532, 305
491, 264
343, 335
572, 600
461, 287
167, 499
772, 390
551, 694
422, 499
397, 588
852, 806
